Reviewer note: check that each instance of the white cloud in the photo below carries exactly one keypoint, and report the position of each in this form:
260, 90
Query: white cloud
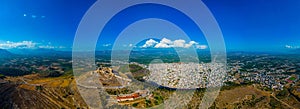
130, 45
166, 41
33, 16
149, 43
162, 45
106, 45
191, 43
46, 46
23, 44
288, 46
291, 47
26, 45
51, 47
180, 43
201, 46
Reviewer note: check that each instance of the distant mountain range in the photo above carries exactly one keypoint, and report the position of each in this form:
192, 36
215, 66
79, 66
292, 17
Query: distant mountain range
5, 53
40, 52
52, 52
297, 51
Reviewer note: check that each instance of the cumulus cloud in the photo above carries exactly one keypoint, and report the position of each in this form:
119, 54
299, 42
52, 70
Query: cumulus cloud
191, 43
162, 45
167, 43
25, 45
149, 43
179, 43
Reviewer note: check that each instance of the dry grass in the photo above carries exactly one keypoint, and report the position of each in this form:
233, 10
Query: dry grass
230, 98
59, 92
28, 87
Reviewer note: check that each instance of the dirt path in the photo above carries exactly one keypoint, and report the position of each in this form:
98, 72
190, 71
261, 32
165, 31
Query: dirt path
282, 101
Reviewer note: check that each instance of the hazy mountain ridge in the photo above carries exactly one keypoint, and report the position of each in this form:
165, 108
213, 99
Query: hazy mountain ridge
5, 53
40, 51
54, 52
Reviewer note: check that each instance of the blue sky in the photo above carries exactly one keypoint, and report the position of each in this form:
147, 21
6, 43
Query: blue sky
247, 25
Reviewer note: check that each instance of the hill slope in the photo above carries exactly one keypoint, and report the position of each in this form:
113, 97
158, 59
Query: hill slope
33, 91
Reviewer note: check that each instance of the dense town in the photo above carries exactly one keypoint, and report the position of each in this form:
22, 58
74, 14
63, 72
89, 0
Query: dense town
187, 75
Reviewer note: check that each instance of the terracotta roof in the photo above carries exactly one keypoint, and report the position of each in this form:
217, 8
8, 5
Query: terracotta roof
135, 95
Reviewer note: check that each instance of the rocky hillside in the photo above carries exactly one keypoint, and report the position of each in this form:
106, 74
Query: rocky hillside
33, 91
